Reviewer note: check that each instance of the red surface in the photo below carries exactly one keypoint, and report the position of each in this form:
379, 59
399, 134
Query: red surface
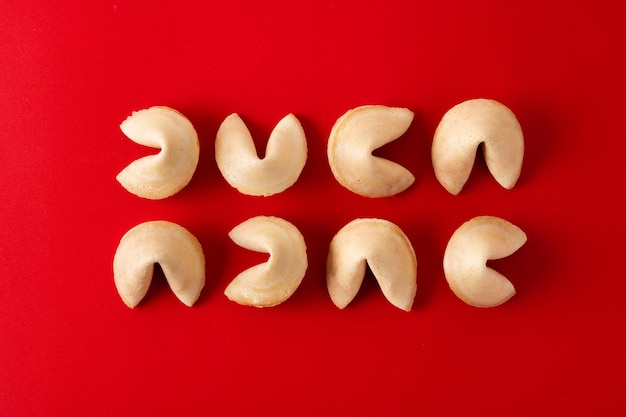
69, 74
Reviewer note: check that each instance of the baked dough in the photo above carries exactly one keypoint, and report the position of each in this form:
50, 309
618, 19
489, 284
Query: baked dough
162, 175
241, 167
385, 248
352, 140
463, 129
174, 248
274, 281
470, 247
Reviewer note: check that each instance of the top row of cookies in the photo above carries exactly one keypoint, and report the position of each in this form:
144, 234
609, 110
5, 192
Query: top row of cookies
352, 140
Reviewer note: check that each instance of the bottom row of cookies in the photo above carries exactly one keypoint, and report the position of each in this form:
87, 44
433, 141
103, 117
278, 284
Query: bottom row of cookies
372, 242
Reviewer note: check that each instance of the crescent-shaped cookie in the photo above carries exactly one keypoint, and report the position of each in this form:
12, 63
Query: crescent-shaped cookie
169, 171
238, 161
463, 129
352, 140
274, 281
385, 248
465, 260
173, 247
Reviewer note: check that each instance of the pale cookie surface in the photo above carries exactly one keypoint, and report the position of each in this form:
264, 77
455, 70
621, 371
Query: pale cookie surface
352, 140
169, 171
463, 129
238, 161
174, 248
465, 260
385, 248
274, 281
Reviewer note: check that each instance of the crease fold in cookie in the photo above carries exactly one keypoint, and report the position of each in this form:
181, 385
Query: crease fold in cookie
385, 248
164, 174
173, 247
472, 124
240, 165
352, 140
272, 282
465, 260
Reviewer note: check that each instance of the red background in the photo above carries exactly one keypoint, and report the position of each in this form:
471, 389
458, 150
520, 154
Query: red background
69, 74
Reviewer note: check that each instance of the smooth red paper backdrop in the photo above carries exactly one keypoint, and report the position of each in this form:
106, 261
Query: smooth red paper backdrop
70, 73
